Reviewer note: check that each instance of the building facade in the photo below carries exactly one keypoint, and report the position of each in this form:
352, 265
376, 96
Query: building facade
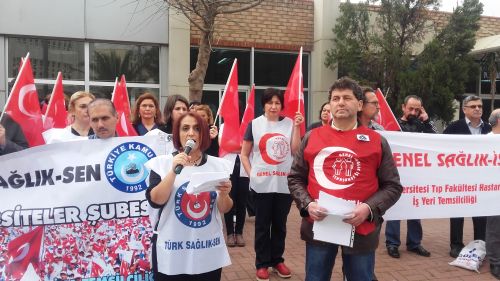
92, 42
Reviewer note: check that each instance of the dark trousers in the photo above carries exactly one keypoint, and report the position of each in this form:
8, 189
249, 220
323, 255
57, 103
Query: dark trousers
239, 194
207, 276
271, 212
414, 234
457, 230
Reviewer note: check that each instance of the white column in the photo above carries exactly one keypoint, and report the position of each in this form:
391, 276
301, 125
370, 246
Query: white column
326, 13
177, 60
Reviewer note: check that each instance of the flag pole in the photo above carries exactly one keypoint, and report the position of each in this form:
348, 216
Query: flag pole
15, 83
225, 90
51, 97
300, 79
114, 90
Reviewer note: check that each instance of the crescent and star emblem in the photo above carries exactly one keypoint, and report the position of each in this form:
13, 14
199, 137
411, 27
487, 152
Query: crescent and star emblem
342, 168
25, 90
22, 252
274, 148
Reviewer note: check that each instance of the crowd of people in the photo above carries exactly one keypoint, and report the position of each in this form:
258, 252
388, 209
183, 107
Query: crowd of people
77, 251
275, 164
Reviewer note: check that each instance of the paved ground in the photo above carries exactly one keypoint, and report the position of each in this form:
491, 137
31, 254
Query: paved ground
409, 267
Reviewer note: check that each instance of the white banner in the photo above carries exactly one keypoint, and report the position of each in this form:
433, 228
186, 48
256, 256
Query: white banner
446, 175
87, 198
75, 179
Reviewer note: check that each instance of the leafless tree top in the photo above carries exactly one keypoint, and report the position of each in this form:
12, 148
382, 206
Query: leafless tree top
207, 10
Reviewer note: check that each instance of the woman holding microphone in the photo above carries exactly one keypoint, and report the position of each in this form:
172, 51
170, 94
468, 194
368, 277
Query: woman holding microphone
188, 243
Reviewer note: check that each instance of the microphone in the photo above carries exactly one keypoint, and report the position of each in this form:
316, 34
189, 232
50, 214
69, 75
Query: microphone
190, 144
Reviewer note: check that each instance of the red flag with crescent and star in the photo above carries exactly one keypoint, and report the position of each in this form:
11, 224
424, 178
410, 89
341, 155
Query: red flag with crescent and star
23, 251
120, 99
385, 116
229, 110
294, 94
249, 113
56, 115
23, 105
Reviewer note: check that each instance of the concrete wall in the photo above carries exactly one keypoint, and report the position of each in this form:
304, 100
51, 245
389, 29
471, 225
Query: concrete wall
110, 20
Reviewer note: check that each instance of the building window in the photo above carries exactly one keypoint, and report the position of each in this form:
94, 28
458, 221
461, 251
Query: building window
139, 63
271, 69
48, 57
274, 69
220, 63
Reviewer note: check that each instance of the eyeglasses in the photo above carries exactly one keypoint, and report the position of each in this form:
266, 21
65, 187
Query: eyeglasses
375, 103
478, 106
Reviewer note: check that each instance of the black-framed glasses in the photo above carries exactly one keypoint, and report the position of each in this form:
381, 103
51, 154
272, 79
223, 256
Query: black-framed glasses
479, 106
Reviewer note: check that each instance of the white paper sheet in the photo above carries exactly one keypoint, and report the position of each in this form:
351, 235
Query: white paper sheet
205, 181
332, 229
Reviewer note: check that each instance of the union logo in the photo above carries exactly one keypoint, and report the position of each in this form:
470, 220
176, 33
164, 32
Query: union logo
336, 167
274, 148
125, 169
194, 210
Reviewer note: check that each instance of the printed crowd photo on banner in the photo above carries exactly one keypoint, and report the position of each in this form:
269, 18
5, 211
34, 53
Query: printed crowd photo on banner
118, 247
71, 212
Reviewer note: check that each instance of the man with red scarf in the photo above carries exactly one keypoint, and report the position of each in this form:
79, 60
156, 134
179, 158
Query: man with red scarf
348, 161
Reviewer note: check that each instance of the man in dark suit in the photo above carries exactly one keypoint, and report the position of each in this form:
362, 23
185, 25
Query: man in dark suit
12, 138
472, 124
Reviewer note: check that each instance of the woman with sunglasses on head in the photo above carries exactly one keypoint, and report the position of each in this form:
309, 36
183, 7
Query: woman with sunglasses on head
80, 121
189, 243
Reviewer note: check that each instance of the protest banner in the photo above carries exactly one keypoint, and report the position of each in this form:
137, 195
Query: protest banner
446, 176
78, 209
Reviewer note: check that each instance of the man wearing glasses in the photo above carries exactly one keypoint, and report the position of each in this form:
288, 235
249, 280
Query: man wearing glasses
472, 124
369, 110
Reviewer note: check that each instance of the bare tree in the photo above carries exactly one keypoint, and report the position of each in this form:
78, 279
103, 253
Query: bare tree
202, 14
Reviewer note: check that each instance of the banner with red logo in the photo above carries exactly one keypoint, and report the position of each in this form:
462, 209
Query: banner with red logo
70, 211
446, 175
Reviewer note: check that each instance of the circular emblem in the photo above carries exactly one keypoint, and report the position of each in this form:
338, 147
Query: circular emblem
194, 210
336, 167
274, 148
125, 169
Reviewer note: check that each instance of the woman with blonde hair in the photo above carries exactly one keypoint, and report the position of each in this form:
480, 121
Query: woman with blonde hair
79, 117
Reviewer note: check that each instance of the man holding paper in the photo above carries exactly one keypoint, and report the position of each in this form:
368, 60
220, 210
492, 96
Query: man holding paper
350, 162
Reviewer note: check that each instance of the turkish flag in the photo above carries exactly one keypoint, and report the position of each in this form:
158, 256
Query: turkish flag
120, 100
97, 270
385, 116
56, 114
124, 269
229, 110
23, 106
294, 94
23, 251
249, 113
